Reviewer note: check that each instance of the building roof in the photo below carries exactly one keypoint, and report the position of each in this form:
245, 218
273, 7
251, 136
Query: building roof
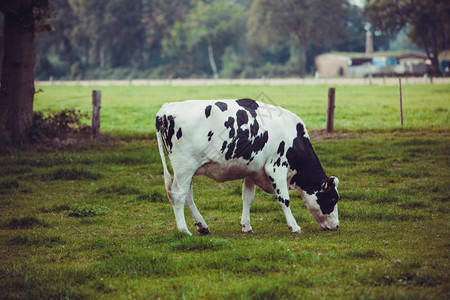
412, 55
362, 55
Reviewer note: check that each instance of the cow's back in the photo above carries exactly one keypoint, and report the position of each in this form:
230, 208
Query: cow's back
241, 132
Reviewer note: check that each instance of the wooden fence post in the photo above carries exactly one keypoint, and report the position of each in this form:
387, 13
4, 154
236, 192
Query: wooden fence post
401, 100
330, 110
96, 105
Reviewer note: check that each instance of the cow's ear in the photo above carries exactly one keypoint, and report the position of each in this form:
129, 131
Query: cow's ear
325, 186
330, 184
333, 181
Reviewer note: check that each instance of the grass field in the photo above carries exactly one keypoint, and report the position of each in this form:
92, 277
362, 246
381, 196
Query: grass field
93, 221
131, 110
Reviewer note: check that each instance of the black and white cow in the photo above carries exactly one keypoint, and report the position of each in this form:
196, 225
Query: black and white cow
265, 145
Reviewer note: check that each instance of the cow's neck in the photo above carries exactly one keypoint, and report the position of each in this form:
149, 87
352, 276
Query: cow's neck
310, 174
302, 159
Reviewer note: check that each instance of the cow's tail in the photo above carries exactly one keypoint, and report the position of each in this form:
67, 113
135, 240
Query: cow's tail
167, 176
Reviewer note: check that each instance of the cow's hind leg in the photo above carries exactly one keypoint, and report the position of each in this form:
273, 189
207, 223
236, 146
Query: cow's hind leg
248, 195
199, 221
180, 191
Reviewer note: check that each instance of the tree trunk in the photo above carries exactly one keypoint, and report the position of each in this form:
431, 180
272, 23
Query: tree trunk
303, 43
148, 61
435, 65
17, 77
303, 62
432, 54
67, 53
140, 57
87, 49
101, 57
435, 58
212, 61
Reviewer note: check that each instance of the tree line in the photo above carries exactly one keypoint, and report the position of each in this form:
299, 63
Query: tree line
195, 38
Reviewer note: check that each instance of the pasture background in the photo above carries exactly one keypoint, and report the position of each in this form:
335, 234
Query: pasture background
131, 110
93, 221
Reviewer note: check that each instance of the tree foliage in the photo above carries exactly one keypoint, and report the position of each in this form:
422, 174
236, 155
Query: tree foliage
428, 22
186, 38
214, 27
200, 38
309, 22
157, 19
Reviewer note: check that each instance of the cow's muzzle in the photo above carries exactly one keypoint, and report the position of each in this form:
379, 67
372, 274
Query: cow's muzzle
330, 228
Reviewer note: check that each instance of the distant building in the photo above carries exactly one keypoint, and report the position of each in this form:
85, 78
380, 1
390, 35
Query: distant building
371, 64
332, 64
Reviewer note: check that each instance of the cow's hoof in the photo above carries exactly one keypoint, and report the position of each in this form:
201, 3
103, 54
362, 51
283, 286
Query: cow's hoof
186, 232
246, 229
203, 230
296, 230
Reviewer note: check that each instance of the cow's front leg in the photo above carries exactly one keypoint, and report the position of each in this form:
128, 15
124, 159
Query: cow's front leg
279, 184
199, 221
292, 224
248, 195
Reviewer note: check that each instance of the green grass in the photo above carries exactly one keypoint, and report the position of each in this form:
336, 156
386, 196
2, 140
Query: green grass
122, 242
132, 110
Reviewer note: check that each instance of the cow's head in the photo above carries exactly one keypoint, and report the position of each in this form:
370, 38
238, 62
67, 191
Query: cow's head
323, 204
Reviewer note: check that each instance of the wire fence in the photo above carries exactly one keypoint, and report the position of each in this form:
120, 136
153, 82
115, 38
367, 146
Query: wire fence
244, 81
89, 97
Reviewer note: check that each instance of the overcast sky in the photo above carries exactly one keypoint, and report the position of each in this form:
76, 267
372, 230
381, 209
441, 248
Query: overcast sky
358, 2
